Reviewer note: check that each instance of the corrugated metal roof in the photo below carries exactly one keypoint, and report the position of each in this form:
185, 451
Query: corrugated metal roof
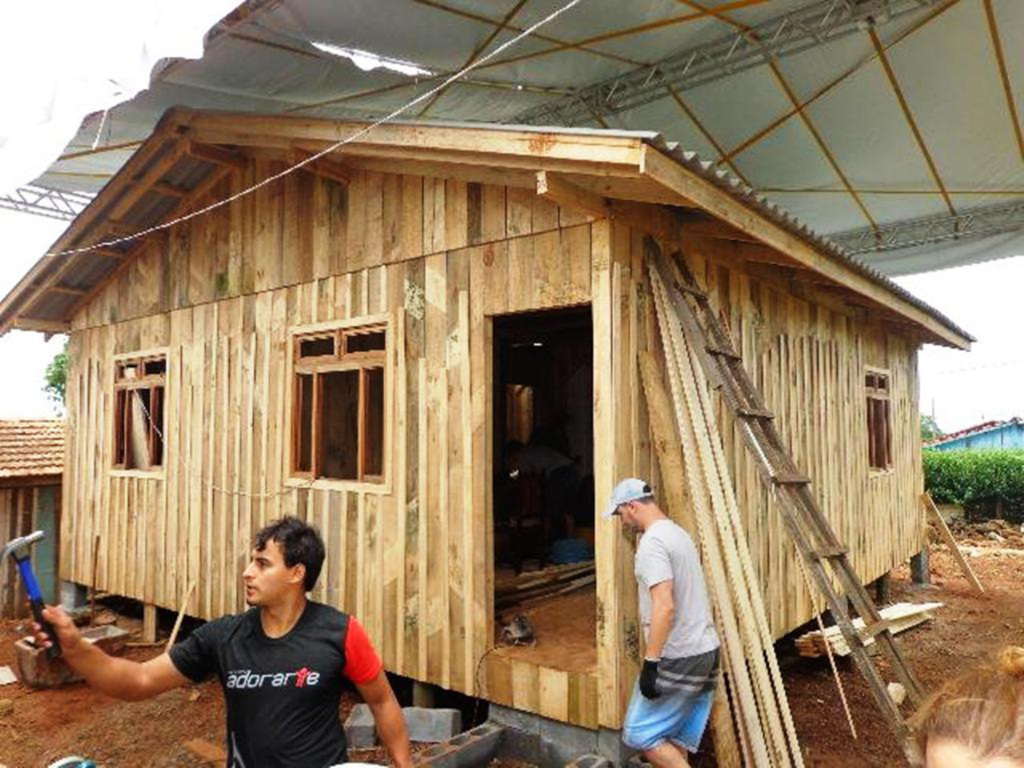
188, 169
31, 448
792, 224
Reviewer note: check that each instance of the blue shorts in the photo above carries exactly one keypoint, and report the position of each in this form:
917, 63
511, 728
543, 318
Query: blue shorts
679, 715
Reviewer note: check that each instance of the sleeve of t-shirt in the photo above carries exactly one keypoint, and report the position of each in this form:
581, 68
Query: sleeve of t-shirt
655, 562
362, 664
196, 655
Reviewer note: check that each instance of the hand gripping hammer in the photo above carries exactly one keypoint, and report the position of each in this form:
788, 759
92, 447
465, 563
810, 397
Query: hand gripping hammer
19, 550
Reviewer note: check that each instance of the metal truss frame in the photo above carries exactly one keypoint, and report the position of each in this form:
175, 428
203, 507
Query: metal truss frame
43, 201
968, 225
799, 30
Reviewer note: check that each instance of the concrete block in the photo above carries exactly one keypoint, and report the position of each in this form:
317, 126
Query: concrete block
432, 725
521, 746
473, 748
514, 718
609, 744
563, 743
360, 732
38, 670
590, 761
73, 595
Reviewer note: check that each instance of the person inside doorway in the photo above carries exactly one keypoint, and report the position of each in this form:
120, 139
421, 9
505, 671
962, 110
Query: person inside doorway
556, 476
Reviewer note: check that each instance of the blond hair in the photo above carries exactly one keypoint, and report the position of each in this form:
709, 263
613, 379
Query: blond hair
982, 710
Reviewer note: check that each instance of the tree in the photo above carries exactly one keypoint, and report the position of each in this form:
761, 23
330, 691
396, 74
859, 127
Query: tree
57, 376
929, 429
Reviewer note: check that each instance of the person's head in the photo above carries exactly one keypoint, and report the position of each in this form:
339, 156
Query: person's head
633, 501
286, 558
977, 719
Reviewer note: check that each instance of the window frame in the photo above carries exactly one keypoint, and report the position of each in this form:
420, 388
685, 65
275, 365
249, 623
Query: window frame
363, 362
119, 432
872, 396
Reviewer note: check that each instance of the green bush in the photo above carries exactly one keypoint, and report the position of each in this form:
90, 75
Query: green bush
987, 483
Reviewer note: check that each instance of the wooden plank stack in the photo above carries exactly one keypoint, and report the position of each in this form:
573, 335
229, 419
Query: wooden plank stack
901, 617
537, 586
767, 736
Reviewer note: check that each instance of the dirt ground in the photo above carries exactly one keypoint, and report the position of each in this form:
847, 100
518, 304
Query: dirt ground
966, 632
46, 725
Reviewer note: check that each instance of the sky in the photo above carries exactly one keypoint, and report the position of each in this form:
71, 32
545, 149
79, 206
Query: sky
960, 388
24, 355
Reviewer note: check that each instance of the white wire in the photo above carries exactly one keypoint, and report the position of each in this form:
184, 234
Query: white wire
337, 145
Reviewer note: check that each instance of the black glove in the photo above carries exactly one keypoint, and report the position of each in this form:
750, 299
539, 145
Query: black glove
649, 679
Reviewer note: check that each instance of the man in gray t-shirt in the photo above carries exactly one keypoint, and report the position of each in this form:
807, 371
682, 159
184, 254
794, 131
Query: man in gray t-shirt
672, 700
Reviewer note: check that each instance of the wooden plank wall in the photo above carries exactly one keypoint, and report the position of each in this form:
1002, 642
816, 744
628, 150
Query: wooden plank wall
413, 559
19, 515
808, 358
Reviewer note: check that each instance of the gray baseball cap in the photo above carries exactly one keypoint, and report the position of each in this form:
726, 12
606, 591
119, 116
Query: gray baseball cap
630, 489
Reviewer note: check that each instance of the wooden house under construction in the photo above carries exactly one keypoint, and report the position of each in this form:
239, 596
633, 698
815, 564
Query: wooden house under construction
369, 340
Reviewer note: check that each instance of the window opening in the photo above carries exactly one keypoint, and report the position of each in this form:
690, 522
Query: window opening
139, 412
879, 415
338, 399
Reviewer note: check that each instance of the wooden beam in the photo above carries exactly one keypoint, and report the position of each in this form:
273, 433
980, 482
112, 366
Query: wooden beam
594, 149
65, 289
722, 205
36, 324
705, 226
201, 189
169, 190
324, 166
947, 536
557, 190
209, 153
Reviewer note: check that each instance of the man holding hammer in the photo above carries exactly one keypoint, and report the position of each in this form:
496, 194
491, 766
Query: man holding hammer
672, 700
282, 663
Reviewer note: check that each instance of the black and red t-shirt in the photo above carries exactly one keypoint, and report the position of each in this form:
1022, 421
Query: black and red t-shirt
282, 693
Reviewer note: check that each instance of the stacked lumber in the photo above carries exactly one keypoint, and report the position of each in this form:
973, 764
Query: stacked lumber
757, 698
900, 617
537, 586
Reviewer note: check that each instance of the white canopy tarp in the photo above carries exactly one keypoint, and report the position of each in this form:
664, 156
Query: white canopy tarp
914, 114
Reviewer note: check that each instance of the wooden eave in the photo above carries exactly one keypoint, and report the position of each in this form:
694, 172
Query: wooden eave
631, 176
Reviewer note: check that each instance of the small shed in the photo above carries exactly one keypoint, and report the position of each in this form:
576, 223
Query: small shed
361, 340
989, 435
31, 467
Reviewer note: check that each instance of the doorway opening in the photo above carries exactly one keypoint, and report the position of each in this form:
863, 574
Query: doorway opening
544, 486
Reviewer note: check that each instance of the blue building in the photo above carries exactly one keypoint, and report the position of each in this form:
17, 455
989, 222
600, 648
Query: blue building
990, 435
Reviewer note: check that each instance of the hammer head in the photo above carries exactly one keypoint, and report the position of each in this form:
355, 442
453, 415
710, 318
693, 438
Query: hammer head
19, 547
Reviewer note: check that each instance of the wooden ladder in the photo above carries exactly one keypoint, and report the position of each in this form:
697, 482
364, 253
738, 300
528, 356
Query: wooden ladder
813, 535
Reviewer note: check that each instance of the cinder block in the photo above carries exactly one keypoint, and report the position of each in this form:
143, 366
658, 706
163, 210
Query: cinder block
590, 761
609, 744
563, 743
432, 725
473, 748
40, 671
360, 732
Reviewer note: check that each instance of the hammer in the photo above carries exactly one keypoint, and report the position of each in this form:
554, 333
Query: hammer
19, 550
